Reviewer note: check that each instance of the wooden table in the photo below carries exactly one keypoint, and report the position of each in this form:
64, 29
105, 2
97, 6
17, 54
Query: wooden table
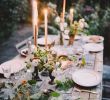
72, 94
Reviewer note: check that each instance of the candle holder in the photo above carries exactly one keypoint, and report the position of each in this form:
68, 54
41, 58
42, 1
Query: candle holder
61, 38
45, 73
51, 82
35, 74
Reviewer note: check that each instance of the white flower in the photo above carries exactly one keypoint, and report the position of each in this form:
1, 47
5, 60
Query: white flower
34, 62
67, 31
61, 26
57, 19
52, 5
65, 25
82, 23
86, 25
82, 20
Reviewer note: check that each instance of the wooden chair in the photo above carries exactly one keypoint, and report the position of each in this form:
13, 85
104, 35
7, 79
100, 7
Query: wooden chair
22, 44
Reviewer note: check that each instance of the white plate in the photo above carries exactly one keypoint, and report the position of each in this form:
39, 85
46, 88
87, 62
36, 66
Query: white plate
62, 50
86, 77
50, 40
94, 39
93, 47
16, 65
66, 37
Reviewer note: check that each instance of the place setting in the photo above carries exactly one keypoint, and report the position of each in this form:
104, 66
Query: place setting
86, 78
51, 40
93, 47
93, 39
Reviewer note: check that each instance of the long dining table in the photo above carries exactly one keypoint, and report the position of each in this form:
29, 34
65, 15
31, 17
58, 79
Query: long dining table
77, 92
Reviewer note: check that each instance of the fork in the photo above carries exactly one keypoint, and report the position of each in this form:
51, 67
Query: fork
83, 90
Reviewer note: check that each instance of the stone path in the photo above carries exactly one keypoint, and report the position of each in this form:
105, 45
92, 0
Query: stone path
7, 49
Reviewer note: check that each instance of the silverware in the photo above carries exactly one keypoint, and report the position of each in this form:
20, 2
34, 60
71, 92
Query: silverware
83, 90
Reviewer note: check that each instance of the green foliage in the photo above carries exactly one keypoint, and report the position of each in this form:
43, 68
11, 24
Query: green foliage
28, 65
54, 94
66, 85
83, 61
71, 30
40, 53
46, 59
12, 12
96, 17
32, 82
73, 58
43, 96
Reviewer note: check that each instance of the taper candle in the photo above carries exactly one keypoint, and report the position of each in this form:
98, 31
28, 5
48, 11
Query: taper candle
71, 15
46, 27
35, 21
64, 6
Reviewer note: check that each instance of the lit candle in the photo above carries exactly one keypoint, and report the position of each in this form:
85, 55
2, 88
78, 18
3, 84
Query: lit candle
46, 26
64, 6
35, 21
71, 15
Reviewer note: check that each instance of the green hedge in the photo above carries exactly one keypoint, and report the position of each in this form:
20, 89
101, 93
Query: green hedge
12, 12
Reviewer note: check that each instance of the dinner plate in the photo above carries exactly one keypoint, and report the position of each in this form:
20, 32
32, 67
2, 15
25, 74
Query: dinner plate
66, 37
86, 77
93, 47
62, 50
94, 39
50, 40
16, 65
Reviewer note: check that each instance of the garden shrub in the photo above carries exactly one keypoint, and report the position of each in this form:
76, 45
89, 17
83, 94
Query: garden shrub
12, 12
96, 17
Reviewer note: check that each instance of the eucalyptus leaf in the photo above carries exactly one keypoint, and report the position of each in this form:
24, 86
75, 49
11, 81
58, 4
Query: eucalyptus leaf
31, 82
54, 94
69, 83
83, 61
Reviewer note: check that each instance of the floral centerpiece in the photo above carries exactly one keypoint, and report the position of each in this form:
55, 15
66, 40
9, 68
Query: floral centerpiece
75, 28
43, 61
61, 26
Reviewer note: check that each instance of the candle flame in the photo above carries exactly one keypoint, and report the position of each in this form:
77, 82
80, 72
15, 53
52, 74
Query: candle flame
71, 10
45, 11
